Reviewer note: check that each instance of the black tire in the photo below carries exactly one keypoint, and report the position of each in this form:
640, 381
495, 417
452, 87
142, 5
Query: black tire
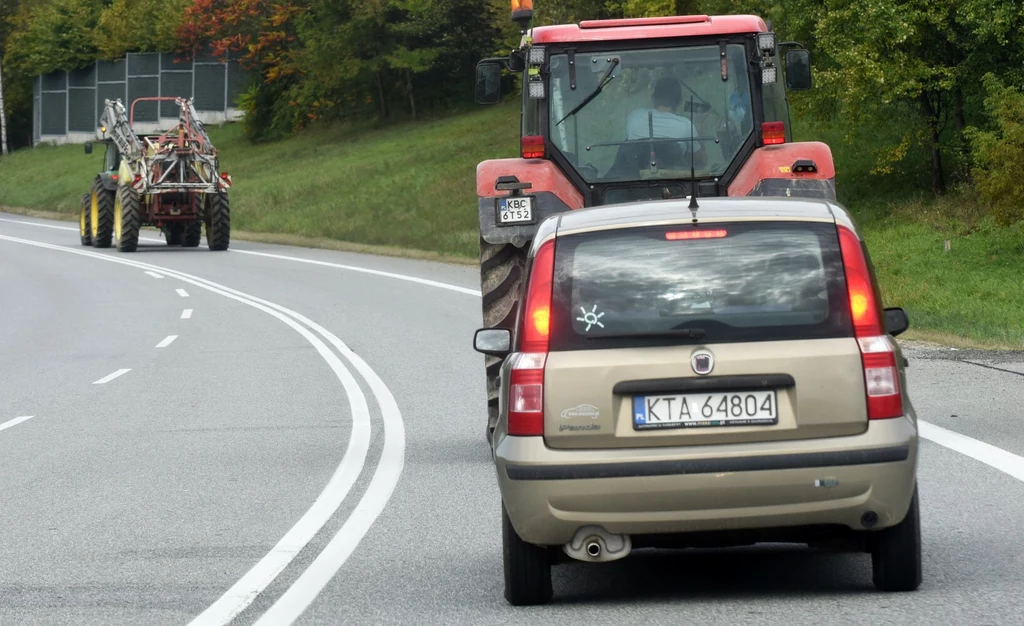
85, 220
502, 271
193, 234
194, 228
218, 221
101, 212
896, 553
127, 228
527, 567
174, 234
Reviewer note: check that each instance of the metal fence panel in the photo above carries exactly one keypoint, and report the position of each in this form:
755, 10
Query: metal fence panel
111, 71
82, 117
177, 84
211, 87
143, 64
53, 105
143, 87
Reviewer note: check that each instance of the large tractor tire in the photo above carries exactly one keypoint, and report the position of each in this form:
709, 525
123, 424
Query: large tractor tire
194, 228
218, 221
502, 271
84, 220
101, 214
127, 219
174, 234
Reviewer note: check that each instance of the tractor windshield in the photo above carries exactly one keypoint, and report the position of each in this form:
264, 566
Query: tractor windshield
655, 105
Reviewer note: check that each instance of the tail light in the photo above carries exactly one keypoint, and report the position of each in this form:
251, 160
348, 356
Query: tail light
878, 355
773, 133
526, 380
532, 147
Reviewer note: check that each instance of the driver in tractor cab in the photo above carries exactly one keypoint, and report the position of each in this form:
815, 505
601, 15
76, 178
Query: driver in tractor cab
661, 122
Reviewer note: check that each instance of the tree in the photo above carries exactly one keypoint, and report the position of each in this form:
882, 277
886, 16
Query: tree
118, 32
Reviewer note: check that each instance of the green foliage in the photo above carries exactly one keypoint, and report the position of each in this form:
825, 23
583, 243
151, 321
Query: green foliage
998, 152
118, 30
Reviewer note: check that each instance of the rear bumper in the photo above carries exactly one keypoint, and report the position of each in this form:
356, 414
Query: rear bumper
550, 494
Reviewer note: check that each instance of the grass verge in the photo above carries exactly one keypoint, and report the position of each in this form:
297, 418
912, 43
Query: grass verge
409, 190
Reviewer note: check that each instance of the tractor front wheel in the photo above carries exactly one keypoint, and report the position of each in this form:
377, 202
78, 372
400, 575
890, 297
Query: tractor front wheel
218, 221
84, 220
502, 270
101, 214
127, 219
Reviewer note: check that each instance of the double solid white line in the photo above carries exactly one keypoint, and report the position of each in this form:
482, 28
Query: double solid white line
385, 476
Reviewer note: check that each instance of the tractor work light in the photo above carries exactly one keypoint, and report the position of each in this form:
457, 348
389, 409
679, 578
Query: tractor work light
766, 42
536, 90
769, 74
537, 55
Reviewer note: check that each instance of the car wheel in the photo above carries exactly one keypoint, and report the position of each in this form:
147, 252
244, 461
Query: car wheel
896, 553
527, 567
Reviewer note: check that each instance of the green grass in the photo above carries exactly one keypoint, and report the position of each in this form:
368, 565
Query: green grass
412, 186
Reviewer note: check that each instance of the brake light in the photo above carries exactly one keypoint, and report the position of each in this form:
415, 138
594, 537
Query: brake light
695, 234
526, 381
878, 355
532, 147
773, 133
537, 320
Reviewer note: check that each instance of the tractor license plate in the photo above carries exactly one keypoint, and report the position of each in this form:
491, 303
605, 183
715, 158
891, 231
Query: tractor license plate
515, 210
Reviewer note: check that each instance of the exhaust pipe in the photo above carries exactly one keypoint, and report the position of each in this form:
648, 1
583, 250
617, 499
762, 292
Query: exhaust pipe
594, 544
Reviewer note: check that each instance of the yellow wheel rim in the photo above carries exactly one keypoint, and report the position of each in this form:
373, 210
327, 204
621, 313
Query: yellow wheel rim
81, 222
94, 215
117, 217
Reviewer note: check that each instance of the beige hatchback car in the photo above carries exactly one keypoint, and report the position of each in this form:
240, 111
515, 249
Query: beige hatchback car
724, 377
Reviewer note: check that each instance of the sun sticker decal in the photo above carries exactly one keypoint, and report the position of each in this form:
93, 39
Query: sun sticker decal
591, 318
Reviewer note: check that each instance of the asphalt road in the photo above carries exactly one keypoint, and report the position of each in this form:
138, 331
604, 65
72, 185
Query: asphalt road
254, 466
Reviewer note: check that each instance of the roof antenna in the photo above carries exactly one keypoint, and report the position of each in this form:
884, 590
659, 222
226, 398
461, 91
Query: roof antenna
693, 176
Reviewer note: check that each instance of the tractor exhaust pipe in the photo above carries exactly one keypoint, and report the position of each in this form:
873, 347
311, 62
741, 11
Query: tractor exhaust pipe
594, 544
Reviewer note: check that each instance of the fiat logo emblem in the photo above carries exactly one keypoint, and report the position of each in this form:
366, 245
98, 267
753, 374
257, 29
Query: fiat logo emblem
702, 362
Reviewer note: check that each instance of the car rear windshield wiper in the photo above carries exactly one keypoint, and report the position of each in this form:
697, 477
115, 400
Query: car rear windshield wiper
686, 333
600, 87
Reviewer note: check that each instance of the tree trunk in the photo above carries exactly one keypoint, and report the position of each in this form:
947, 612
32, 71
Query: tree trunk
3, 118
932, 119
412, 100
380, 94
958, 105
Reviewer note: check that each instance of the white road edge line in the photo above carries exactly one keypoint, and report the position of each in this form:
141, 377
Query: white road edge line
154, 274
182, 293
109, 377
988, 454
186, 314
168, 340
283, 257
263, 573
15, 422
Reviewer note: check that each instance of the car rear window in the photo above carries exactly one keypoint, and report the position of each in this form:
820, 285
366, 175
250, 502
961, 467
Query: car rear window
757, 281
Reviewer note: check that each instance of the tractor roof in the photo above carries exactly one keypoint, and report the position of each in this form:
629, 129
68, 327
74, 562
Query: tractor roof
649, 28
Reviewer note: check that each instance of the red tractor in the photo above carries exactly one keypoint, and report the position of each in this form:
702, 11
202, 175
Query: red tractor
632, 110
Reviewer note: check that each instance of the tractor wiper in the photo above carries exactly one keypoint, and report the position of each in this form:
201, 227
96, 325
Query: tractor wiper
607, 78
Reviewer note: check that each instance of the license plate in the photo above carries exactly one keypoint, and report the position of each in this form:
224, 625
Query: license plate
515, 210
694, 410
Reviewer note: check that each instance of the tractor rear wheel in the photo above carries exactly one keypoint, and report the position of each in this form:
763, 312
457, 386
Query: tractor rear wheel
218, 221
194, 228
174, 234
84, 220
127, 219
502, 270
101, 214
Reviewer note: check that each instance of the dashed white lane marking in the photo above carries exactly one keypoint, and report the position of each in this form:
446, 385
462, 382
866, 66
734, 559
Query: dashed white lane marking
167, 341
154, 274
988, 454
186, 314
182, 293
248, 588
109, 377
15, 422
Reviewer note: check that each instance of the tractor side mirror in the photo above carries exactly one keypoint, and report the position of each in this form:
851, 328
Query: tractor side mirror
88, 147
798, 69
896, 321
488, 82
